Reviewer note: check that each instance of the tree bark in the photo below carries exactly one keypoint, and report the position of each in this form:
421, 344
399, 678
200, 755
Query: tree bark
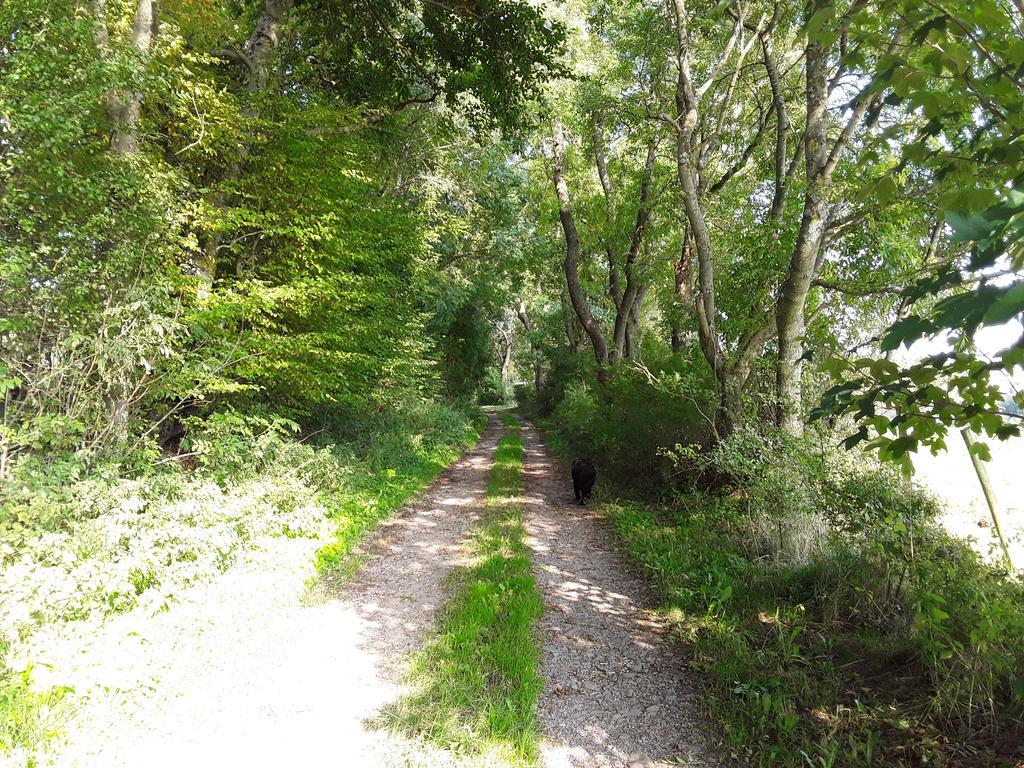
264, 40
990, 496
573, 333
729, 387
572, 256
781, 130
820, 162
614, 281
633, 288
729, 412
504, 345
125, 110
633, 325
538, 362
793, 294
506, 362
683, 269
255, 59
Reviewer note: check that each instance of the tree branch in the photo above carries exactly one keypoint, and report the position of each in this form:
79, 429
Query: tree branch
744, 157
849, 291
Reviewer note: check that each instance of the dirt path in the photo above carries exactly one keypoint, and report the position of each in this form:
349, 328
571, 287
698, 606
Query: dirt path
254, 675
616, 692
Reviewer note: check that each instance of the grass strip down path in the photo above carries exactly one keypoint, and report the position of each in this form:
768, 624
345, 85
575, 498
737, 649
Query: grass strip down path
474, 687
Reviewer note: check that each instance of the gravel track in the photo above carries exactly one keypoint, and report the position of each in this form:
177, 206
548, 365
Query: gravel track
617, 692
254, 673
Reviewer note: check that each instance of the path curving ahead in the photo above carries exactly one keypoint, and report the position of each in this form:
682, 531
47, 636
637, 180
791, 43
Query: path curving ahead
617, 693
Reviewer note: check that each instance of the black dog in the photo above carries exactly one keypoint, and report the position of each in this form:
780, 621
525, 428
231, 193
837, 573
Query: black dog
583, 476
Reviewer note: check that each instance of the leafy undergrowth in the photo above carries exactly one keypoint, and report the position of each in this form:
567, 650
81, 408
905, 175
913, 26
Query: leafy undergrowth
475, 685
804, 669
398, 465
28, 718
76, 553
837, 623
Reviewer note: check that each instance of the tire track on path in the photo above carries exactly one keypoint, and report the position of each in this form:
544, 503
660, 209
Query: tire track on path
617, 692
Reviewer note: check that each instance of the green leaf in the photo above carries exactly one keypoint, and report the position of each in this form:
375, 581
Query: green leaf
938, 615
1013, 357
819, 25
1006, 306
858, 437
882, 368
982, 451
885, 190
968, 227
905, 331
1018, 688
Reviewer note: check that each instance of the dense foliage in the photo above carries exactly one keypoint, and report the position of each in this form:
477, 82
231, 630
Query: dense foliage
190, 222
764, 211
252, 251
232, 302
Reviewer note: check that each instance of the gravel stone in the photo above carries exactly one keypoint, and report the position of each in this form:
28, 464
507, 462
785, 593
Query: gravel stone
606, 705
254, 673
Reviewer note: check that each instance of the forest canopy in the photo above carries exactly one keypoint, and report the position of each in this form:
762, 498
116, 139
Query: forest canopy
207, 205
187, 188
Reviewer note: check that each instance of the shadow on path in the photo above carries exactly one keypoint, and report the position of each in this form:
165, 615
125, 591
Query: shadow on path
616, 689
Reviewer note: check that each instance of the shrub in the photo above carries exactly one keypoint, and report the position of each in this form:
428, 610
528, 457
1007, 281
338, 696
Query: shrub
106, 544
226, 443
625, 425
494, 391
839, 623
27, 717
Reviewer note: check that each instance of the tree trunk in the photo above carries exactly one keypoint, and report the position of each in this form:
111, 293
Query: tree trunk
729, 410
633, 325
789, 314
683, 290
538, 362
686, 107
255, 59
820, 163
573, 333
125, 110
729, 414
633, 288
781, 129
128, 112
264, 40
504, 329
572, 256
614, 282
506, 362
676, 339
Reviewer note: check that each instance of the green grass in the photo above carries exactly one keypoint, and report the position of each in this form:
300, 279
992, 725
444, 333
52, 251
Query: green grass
889, 644
389, 479
796, 671
474, 687
28, 718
